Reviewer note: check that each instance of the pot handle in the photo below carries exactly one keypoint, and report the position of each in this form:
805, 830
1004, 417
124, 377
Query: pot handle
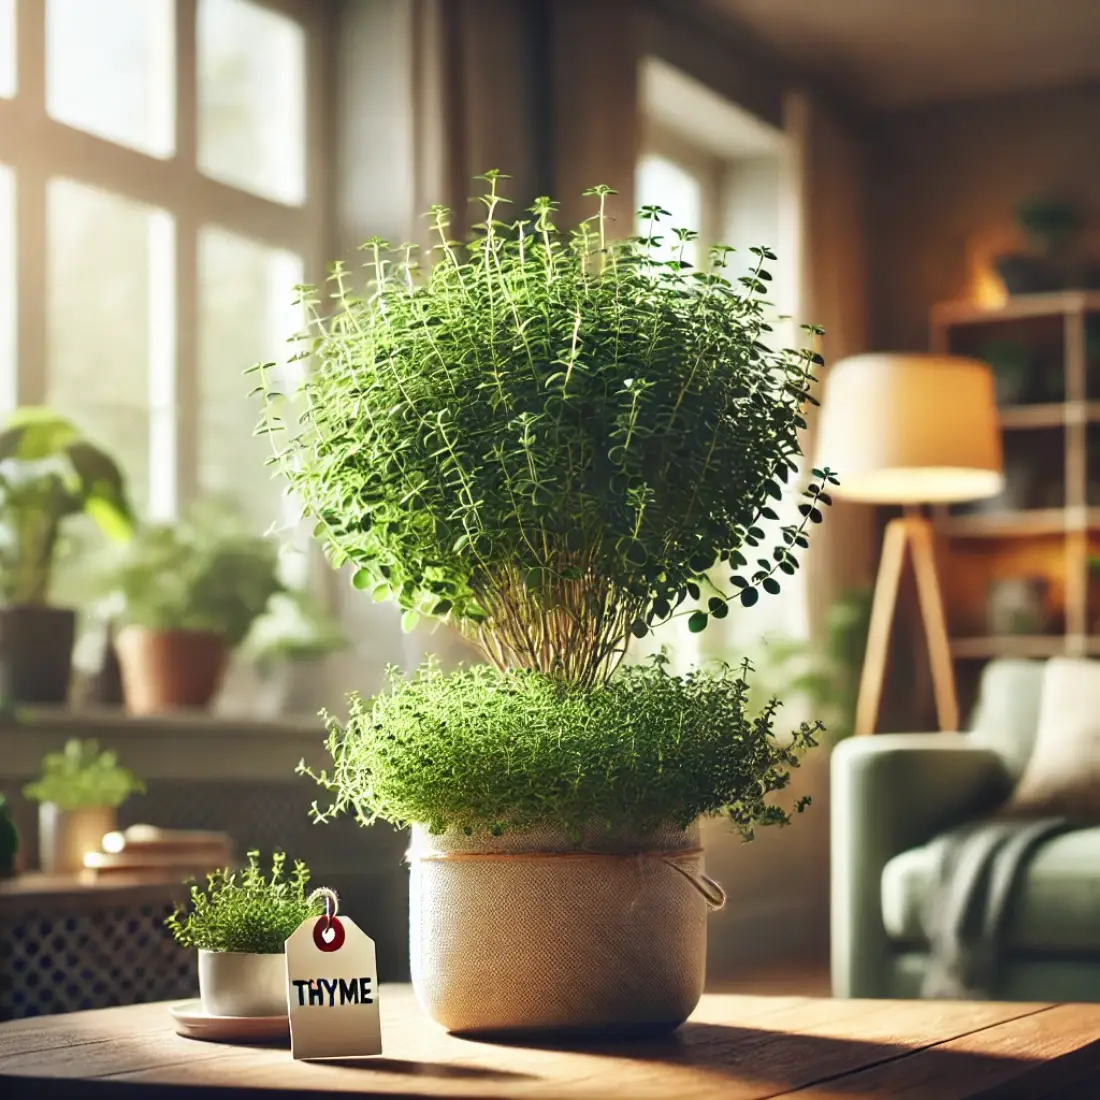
712, 893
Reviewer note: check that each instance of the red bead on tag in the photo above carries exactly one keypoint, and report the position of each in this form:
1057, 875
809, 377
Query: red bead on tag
323, 926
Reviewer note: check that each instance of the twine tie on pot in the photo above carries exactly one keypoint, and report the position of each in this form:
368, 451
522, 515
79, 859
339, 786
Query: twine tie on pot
706, 887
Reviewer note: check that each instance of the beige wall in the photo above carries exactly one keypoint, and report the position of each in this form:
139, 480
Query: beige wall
945, 182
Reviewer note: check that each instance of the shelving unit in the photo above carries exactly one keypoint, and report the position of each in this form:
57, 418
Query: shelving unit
1053, 536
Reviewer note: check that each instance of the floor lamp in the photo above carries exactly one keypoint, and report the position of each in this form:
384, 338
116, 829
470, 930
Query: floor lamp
912, 430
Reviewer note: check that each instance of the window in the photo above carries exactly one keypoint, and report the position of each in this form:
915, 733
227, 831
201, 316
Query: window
156, 208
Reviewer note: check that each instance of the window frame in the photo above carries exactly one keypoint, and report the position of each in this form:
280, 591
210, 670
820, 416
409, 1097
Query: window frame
37, 148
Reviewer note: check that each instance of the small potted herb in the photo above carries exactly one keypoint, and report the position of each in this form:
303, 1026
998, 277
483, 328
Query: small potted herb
190, 592
49, 473
240, 922
78, 793
555, 443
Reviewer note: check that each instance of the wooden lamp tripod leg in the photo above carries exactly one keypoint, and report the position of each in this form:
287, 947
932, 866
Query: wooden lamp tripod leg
930, 599
873, 677
908, 533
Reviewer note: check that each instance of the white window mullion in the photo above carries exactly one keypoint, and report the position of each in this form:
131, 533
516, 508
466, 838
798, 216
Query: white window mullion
163, 350
30, 209
186, 384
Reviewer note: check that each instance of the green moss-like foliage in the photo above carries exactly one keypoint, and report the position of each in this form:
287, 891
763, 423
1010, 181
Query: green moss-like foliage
482, 749
551, 439
244, 910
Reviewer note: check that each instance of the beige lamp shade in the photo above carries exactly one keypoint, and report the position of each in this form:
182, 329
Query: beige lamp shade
911, 429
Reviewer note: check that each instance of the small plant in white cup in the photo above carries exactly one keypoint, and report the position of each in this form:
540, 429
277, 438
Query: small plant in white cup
240, 924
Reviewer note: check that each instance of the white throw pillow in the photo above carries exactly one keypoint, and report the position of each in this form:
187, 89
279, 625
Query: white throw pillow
1063, 774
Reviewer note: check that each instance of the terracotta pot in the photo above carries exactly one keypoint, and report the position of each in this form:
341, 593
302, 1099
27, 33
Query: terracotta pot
236, 983
66, 836
169, 669
36, 652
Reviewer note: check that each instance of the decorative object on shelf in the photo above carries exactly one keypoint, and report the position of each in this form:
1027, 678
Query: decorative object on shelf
145, 850
887, 423
555, 443
78, 793
48, 473
240, 922
1051, 226
9, 841
1018, 605
190, 592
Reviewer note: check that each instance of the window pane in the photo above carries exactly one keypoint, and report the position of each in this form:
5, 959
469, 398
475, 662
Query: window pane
251, 73
7, 48
662, 182
111, 70
246, 314
109, 329
7, 290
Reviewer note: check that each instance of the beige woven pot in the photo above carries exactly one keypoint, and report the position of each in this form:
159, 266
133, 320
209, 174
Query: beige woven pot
537, 932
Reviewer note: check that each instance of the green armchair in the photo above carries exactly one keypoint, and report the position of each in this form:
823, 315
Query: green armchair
893, 795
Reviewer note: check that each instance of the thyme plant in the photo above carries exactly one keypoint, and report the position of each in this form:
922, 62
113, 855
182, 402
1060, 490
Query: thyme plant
244, 910
551, 439
482, 749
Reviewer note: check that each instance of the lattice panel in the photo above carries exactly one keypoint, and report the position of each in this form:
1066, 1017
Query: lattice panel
95, 959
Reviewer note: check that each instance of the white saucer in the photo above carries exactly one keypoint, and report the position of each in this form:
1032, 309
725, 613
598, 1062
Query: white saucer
193, 1023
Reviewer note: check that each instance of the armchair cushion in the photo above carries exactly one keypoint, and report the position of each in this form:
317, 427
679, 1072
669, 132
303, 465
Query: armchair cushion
1056, 907
1006, 717
1063, 774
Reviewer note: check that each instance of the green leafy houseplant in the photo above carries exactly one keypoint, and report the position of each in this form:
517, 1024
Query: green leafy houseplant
83, 777
190, 593
294, 628
48, 473
203, 573
555, 443
246, 911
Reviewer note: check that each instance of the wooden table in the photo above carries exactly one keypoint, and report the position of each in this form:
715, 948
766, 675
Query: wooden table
734, 1048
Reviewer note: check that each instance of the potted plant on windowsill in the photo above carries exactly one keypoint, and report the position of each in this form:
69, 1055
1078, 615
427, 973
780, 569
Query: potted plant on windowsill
49, 473
239, 923
78, 793
286, 648
190, 592
555, 445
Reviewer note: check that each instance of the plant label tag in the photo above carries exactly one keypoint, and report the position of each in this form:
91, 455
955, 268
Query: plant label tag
332, 990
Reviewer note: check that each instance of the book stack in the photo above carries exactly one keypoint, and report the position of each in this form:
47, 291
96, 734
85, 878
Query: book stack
144, 851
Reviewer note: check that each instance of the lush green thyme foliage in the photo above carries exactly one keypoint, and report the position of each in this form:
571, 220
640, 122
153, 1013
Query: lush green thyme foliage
482, 749
244, 911
550, 440
81, 777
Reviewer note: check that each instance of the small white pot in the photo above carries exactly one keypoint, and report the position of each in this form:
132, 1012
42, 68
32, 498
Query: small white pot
236, 983
66, 836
